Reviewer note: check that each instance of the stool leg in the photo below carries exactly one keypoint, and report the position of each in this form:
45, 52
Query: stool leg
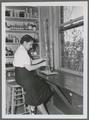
8, 98
24, 100
12, 101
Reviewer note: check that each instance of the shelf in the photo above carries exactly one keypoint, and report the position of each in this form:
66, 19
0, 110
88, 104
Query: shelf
8, 43
10, 68
22, 31
10, 79
9, 56
21, 19
17, 44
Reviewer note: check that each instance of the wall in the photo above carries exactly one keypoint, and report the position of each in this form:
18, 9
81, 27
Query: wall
52, 15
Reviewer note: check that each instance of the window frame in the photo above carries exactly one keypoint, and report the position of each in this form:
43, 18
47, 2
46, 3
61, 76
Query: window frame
73, 23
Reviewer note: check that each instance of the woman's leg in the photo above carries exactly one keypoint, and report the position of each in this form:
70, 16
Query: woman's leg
42, 109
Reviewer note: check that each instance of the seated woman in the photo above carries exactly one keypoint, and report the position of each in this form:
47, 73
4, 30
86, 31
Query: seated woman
37, 90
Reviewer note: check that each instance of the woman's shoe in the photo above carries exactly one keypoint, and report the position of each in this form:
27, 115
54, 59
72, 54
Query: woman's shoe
34, 111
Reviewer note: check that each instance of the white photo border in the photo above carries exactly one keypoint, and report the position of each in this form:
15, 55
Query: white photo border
85, 73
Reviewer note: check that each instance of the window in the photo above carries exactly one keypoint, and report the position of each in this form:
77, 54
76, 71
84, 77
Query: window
72, 31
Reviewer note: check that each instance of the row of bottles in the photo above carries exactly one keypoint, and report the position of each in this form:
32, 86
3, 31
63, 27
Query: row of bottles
9, 51
12, 39
30, 12
9, 64
22, 26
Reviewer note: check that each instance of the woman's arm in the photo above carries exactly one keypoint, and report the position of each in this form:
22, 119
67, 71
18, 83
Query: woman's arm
34, 67
37, 61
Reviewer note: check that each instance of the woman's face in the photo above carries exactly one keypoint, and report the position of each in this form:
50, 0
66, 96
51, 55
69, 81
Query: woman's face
28, 45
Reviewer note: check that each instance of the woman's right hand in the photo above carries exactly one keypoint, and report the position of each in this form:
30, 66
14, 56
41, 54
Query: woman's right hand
44, 63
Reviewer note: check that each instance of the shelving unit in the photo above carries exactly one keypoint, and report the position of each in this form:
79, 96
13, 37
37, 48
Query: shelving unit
20, 20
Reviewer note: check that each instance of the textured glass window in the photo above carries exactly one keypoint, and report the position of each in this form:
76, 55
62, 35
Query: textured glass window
72, 54
72, 38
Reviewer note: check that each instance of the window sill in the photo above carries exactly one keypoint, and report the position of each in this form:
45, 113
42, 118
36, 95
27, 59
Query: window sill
71, 72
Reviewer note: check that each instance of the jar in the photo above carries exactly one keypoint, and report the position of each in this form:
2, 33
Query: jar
34, 27
29, 27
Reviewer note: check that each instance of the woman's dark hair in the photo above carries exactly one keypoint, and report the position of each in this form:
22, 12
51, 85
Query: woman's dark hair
26, 38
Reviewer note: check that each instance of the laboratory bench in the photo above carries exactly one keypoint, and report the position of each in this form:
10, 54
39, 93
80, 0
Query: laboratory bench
63, 79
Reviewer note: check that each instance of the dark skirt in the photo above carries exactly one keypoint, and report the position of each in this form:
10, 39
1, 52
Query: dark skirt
37, 90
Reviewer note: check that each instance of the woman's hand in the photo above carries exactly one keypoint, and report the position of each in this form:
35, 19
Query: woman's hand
44, 63
36, 66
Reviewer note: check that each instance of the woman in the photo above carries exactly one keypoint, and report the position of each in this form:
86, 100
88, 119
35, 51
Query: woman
37, 90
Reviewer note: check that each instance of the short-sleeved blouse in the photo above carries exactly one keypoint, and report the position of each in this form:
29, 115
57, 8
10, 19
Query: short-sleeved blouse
21, 57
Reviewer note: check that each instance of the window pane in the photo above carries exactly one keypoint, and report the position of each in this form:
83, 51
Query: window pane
72, 49
72, 12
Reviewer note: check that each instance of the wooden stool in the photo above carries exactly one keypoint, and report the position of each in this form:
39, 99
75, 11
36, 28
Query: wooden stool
17, 98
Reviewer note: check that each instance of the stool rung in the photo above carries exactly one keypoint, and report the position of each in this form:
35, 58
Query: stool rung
18, 90
20, 94
18, 98
19, 104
